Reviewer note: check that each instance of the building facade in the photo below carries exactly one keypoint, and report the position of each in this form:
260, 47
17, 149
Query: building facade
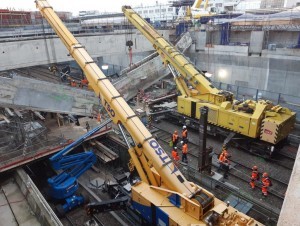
157, 12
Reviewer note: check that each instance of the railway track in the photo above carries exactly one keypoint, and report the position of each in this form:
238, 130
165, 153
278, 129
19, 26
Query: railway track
239, 170
242, 172
283, 160
39, 73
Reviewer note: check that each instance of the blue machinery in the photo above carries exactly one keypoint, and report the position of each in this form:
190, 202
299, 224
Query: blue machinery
64, 185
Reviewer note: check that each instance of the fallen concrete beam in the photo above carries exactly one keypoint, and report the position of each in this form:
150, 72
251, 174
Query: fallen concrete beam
31, 94
148, 71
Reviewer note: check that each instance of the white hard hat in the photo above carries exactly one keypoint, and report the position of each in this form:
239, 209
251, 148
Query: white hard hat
175, 148
184, 127
181, 142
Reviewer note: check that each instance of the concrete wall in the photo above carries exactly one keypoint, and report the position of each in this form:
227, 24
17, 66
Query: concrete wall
240, 36
25, 53
283, 38
276, 71
36, 201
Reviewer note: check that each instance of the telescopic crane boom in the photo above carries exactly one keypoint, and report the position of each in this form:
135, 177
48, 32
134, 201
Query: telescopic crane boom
164, 196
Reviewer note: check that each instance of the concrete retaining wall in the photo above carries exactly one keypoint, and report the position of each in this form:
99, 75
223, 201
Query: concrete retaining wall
25, 53
231, 64
36, 201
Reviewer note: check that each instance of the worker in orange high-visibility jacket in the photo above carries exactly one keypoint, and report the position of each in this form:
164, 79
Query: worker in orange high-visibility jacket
225, 151
266, 183
73, 83
254, 176
175, 138
84, 82
175, 156
224, 163
184, 134
184, 152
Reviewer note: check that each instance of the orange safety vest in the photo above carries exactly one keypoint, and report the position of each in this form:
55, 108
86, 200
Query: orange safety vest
73, 84
221, 157
174, 137
184, 149
184, 133
254, 175
224, 151
175, 155
84, 81
266, 182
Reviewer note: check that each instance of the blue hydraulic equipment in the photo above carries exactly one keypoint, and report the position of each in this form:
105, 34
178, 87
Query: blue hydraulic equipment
64, 185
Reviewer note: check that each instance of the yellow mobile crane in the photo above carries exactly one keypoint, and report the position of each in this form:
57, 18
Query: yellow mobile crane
195, 12
163, 196
260, 120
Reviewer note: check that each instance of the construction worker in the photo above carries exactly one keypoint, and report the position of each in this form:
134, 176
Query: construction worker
254, 176
73, 83
184, 152
184, 134
87, 126
175, 155
53, 69
84, 82
175, 138
224, 164
266, 183
225, 151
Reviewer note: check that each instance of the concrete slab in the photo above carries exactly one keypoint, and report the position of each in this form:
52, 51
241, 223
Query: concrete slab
21, 210
289, 214
6, 215
32, 94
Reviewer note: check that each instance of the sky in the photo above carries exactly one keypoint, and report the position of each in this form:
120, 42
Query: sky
75, 6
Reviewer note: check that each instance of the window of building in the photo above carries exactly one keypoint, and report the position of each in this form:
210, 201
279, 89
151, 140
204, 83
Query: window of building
151, 11
219, 4
157, 10
163, 10
145, 11
139, 12
170, 9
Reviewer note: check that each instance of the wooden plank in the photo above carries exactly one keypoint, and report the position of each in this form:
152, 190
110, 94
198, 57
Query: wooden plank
3, 117
9, 112
38, 114
106, 150
18, 113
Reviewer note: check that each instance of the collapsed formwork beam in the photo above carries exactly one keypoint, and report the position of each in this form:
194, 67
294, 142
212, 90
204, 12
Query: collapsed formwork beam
31, 94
